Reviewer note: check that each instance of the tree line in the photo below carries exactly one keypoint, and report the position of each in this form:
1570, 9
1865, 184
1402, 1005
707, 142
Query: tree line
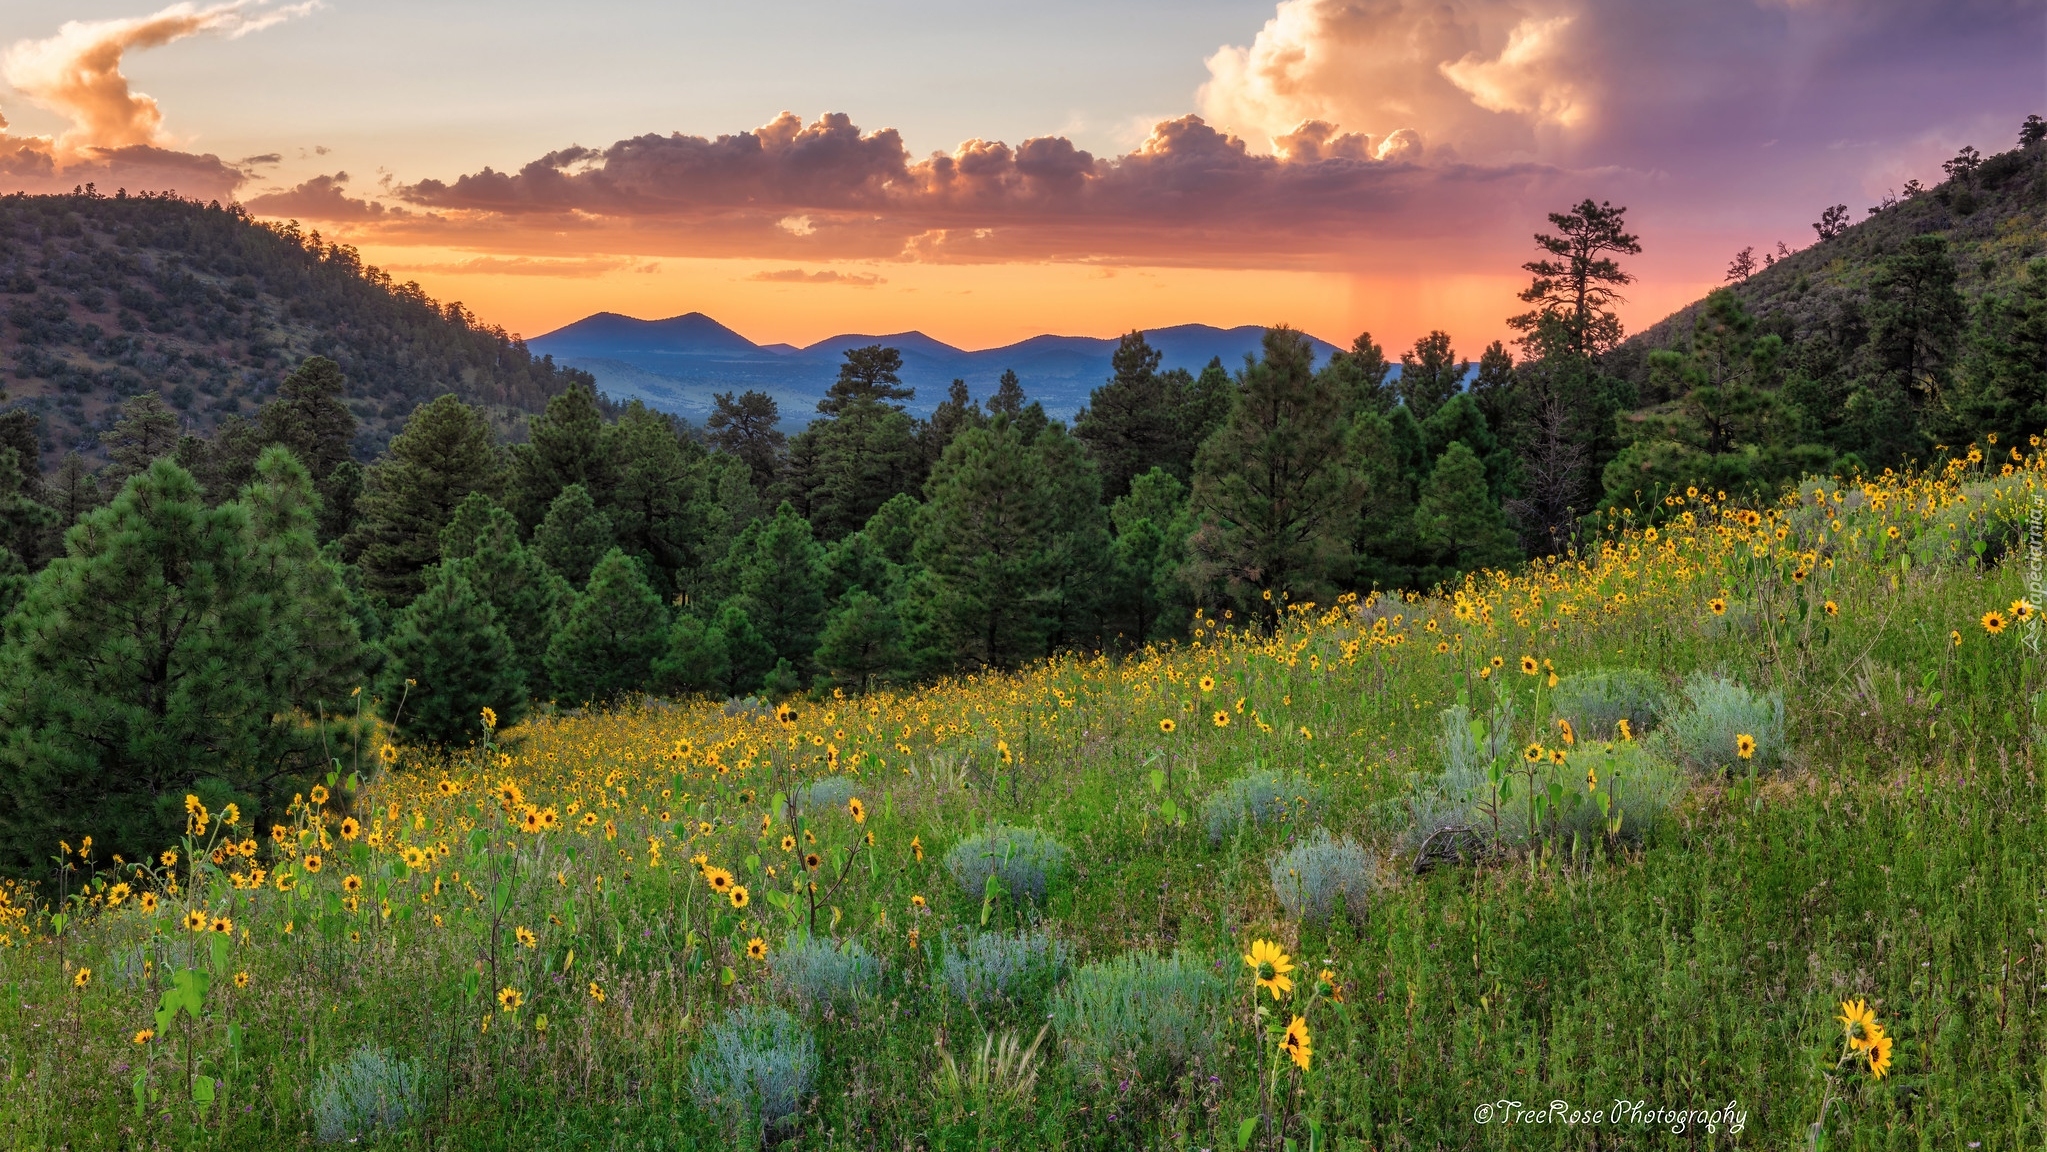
211, 624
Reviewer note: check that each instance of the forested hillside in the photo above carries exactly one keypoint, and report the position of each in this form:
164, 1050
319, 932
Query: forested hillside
1923, 324
106, 297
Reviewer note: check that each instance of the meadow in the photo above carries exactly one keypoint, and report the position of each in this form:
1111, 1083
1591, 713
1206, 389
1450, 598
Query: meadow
1644, 831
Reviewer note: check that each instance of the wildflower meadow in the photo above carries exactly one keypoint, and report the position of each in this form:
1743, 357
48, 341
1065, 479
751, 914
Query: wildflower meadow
1725, 833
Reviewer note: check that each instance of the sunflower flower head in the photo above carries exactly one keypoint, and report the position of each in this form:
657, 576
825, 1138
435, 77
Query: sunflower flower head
1269, 967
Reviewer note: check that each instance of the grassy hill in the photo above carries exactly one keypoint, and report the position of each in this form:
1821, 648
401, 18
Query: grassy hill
105, 297
1994, 220
661, 927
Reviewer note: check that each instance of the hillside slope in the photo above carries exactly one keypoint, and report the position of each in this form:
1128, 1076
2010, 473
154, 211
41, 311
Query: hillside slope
1994, 221
105, 297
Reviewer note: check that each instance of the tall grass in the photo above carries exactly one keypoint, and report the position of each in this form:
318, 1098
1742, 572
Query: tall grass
580, 984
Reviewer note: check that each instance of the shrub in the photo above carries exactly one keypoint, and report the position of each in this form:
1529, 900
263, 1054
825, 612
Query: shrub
1459, 796
1595, 702
369, 1094
1140, 1017
818, 972
1258, 797
1025, 861
820, 795
1706, 734
755, 1067
1637, 785
1312, 876
994, 971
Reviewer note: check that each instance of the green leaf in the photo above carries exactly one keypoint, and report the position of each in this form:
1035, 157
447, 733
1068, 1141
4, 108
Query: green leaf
1244, 1131
753, 862
1158, 780
202, 1092
219, 945
726, 976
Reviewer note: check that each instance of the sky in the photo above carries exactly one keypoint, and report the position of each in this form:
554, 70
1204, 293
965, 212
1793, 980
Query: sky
986, 172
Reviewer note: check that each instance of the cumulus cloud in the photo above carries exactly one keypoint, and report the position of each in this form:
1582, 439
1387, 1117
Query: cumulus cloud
116, 134
320, 198
827, 190
824, 276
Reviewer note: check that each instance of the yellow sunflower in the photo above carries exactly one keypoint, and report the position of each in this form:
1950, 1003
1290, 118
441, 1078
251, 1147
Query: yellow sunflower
1745, 746
1221, 718
756, 949
857, 810
526, 936
1879, 1053
1207, 683
1296, 1043
719, 879
1993, 622
1529, 667
350, 829
1717, 606
1269, 967
1166, 725
510, 998
738, 896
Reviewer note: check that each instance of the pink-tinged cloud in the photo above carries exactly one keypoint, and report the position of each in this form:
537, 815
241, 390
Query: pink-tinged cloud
116, 135
320, 198
575, 269
1347, 134
825, 190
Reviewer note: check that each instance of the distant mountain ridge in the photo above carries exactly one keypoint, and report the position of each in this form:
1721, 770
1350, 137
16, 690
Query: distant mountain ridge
677, 364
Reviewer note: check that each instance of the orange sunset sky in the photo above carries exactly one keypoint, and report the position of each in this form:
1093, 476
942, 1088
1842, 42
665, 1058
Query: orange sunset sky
984, 175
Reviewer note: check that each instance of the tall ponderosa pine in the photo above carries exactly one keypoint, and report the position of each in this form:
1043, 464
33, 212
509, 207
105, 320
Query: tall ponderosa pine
861, 643
449, 659
1274, 493
1130, 424
607, 646
445, 452
746, 427
528, 597
1578, 281
156, 657
574, 536
564, 446
779, 580
987, 541
308, 417
1430, 375
1359, 374
1459, 518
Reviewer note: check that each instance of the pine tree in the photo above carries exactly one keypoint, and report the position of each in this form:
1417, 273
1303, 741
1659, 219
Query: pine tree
309, 417
1578, 281
746, 427
564, 446
843, 470
779, 580
1274, 493
1458, 517
1493, 386
861, 642
1130, 424
870, 375
574, 536
1430, 375
448, 659
1077, 543
146, 432
660, 510
138, 667
445, 452
694, 659
1359, 375
528, 597
320, 657
748, 657
607, 645
986, 542
1151, 538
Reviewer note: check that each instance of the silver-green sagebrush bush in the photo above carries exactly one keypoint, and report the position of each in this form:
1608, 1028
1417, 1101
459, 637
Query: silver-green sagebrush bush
994, 971
818, 973
1595, 702
1024, 861
370, 1094
1707, 734
1459, 796
1619, 789
1313, 877
755, 1067
830, 792
1260, 796
1141, 1017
